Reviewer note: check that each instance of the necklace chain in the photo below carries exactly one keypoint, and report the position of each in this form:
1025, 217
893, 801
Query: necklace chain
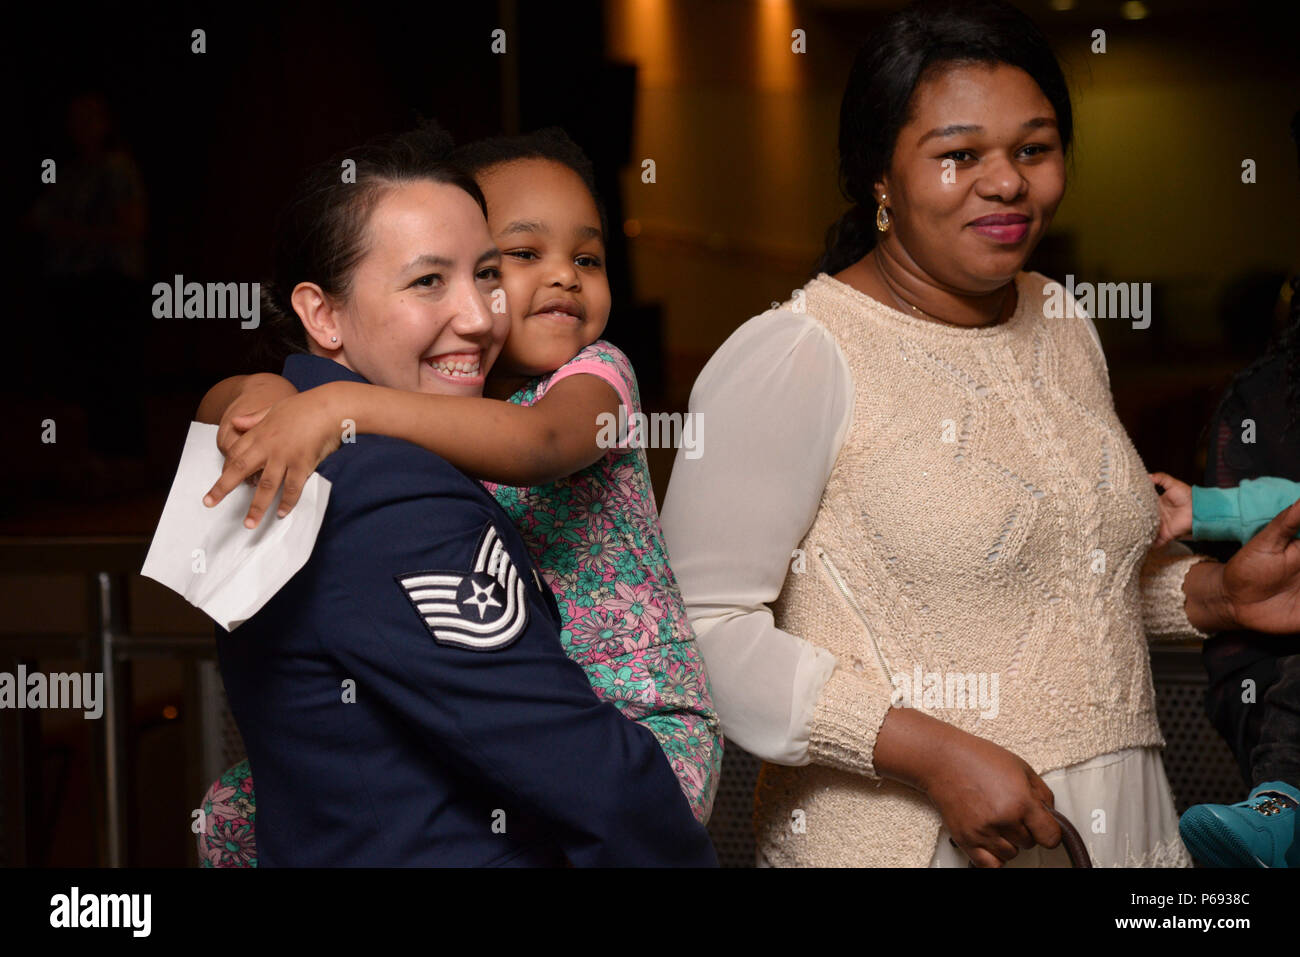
922, 312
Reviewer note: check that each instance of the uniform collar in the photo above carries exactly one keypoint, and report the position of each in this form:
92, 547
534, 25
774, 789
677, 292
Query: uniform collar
306, 371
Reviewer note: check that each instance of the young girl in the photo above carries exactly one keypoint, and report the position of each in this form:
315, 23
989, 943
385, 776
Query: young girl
586, 511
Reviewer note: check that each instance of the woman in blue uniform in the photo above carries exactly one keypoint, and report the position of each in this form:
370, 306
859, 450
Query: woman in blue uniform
405, 699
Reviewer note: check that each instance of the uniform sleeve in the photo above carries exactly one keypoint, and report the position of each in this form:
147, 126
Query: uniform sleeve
1237, 514
775, 401
491, 693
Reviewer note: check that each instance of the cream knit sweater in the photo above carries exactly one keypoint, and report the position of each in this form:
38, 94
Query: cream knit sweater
988, 516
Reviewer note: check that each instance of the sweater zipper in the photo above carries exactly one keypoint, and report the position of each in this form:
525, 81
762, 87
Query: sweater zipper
857, 609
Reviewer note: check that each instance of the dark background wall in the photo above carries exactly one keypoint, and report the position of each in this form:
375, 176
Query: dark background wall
218, 139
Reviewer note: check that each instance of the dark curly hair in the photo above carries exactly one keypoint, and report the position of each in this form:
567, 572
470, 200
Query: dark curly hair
550, 143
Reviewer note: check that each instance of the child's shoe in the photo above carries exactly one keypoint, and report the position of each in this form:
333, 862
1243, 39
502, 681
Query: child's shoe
1261, 831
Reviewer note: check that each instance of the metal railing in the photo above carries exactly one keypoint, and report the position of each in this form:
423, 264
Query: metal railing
106, 565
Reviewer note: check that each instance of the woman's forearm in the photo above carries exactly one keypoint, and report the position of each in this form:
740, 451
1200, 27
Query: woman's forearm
1207, 608
486, 438
911, 744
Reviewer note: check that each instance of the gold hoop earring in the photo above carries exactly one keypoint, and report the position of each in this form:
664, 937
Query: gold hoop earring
882, 217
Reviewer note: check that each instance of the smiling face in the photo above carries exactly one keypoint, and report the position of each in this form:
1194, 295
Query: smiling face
1007, 176
545, 222
418, 315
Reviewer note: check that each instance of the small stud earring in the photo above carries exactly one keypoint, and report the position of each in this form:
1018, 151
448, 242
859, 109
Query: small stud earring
334, 338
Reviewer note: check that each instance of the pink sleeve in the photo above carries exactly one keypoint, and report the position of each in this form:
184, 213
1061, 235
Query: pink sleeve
616, 370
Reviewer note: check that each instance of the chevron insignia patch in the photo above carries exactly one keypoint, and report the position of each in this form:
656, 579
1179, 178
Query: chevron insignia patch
483, 609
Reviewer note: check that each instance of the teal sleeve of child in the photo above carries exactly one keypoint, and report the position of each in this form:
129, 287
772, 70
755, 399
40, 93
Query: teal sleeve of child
1237, 514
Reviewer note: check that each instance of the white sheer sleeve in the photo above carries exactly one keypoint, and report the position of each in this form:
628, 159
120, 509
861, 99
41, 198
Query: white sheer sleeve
774, 403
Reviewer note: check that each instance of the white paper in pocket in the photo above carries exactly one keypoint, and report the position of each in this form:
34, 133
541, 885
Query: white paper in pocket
208, 557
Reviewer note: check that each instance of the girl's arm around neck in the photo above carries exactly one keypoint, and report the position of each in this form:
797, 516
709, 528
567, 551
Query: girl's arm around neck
214, 404
487, 438
261, 389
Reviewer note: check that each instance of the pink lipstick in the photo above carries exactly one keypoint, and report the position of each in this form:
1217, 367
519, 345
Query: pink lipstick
1002, 227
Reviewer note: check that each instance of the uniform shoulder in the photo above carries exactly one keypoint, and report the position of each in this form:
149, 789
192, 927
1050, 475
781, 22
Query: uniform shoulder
397, 509
376, 467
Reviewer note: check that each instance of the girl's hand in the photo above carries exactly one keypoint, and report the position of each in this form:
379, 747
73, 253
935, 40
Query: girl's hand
1175, 508
258, 394
991, 801
284, 444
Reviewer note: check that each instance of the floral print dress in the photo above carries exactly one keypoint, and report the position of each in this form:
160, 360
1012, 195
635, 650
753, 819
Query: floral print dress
228, 819
595, 536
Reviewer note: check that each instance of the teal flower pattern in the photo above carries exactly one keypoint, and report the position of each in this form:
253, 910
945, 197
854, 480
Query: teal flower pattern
596, 539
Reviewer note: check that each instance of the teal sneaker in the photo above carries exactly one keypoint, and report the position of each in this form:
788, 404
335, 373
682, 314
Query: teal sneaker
1261, 831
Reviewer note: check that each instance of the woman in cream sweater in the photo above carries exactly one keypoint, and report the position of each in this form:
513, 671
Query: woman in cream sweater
917, 552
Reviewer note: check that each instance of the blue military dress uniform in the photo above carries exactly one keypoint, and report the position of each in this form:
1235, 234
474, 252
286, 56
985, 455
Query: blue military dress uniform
405, 699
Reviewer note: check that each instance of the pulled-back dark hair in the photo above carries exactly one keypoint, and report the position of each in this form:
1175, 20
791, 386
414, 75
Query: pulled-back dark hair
550, 143
321, 234
877, 100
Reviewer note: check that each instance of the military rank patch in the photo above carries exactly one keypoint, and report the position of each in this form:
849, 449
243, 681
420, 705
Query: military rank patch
483, 610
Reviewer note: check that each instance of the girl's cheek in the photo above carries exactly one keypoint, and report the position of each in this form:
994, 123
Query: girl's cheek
511, 348
516, 286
